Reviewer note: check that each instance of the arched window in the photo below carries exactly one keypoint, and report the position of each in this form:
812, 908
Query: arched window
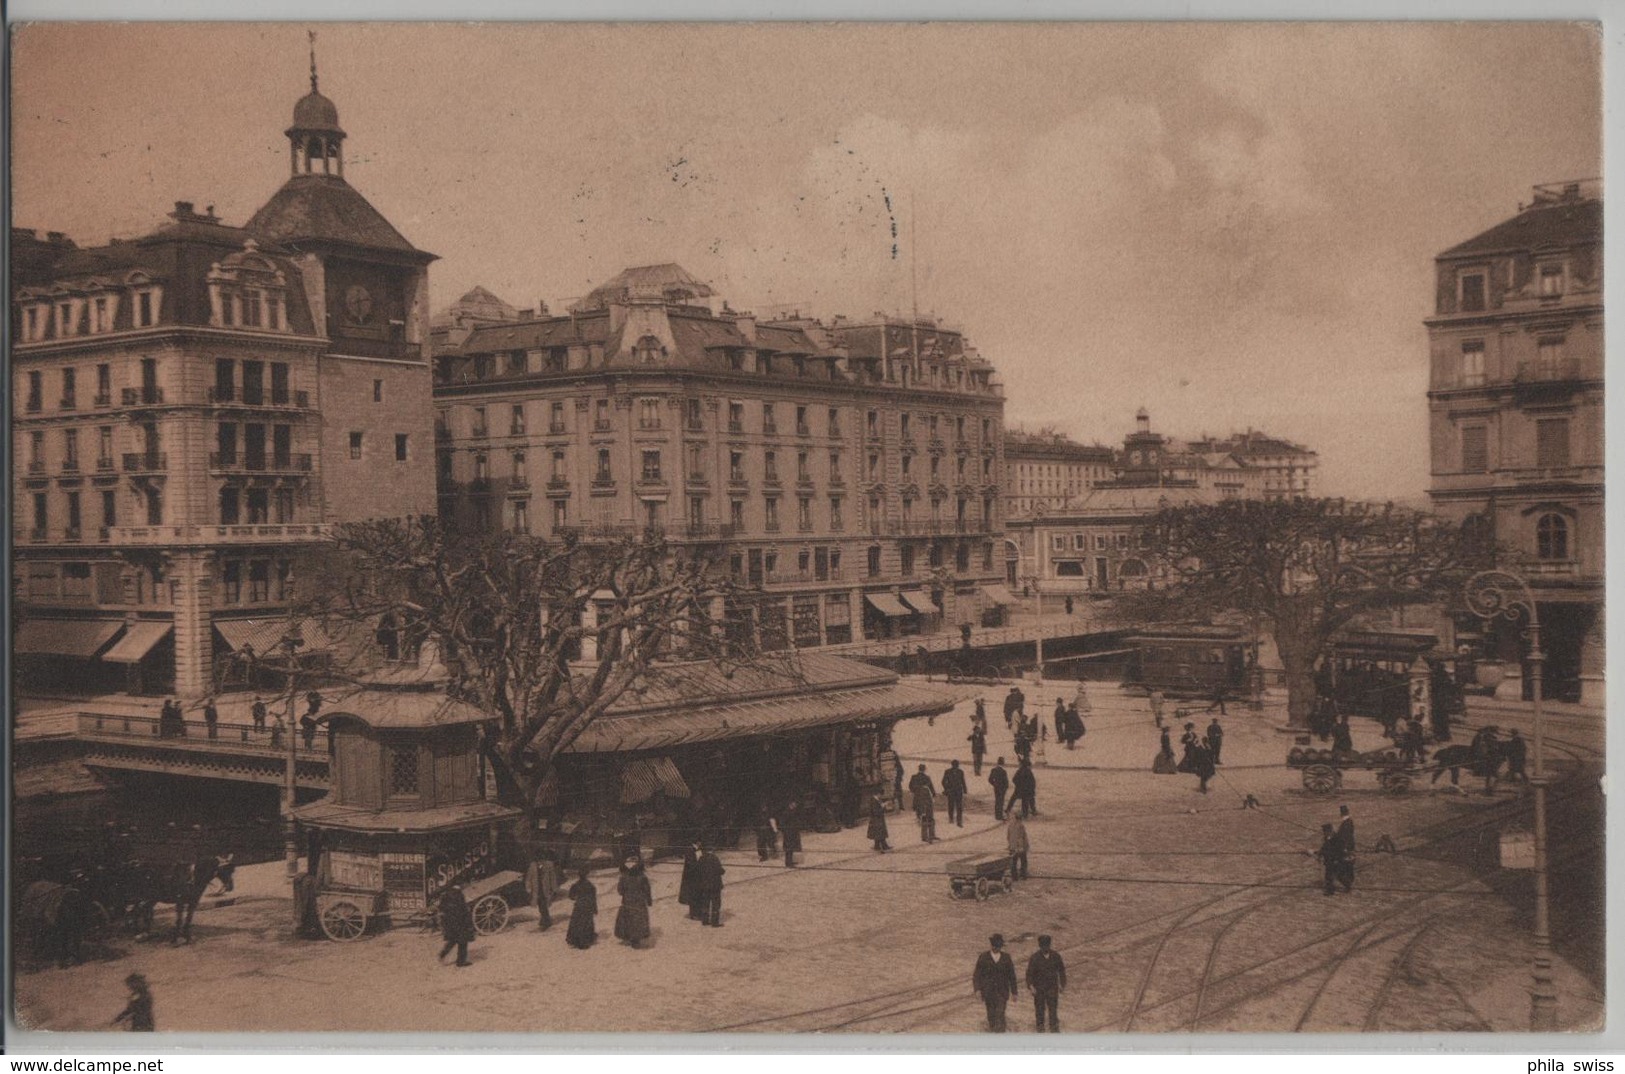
648, 351
1552, 537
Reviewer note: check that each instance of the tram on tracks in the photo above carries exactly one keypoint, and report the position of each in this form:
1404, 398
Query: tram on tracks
1191, 660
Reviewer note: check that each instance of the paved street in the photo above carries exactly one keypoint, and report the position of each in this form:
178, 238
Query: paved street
1175, 911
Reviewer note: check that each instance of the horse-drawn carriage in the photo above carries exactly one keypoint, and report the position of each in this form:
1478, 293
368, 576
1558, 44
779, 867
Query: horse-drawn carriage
1323, 769
345, 914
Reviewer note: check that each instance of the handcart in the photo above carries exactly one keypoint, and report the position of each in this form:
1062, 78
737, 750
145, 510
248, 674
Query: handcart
979, 875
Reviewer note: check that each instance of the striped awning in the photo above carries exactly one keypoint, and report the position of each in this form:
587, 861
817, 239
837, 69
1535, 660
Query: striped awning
920, 601
998, 594
681, 726
137, 642
264, 636
640, 780
64, 637
888, 605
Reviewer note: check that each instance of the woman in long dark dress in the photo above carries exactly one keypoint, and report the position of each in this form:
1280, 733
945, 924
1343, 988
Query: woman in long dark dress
583, 932
1165, 765
877, 824
632, 922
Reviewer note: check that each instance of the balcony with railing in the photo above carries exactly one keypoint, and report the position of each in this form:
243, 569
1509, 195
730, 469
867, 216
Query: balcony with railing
251, 533
73, 534
146, 462
481, 431
558, 483
142, 397
36, 467
736, 426
259, 398
300, 463
102, 399
105, 464
707, 531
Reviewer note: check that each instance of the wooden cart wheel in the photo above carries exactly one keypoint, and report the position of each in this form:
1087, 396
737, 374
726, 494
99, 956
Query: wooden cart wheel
1009, 880
982, 888
1320, 779
490, 914
1395, 782
343, 921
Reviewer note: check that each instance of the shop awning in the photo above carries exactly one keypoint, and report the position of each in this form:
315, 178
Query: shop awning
64, 637
665, 729
888, 605
641, 779
998, 594
920, 601
265, 635
137, 642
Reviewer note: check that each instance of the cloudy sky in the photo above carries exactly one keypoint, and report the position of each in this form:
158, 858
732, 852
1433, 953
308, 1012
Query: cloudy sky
1230, 225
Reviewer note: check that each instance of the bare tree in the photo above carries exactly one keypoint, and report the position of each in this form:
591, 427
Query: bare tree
511, 616
1304, 569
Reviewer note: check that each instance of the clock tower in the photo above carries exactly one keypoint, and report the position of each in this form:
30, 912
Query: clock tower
368, 293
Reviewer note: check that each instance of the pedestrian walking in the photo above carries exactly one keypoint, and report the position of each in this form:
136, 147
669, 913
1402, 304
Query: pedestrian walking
790, 833
1025, 786
1046, 980
632, 920
1345, 831
1060, 720
1215, 739
979, 715
278, 729
877, 824
258, 712
686, 887
1013, 702
1188, 742
708, 872
1337, 869
583, 930
999, 780
542, 883
1411, 749
1015, 841
1165, 765
897, 781
1517, 755
924, 794
767, 835
1202, 764
1075, 729
1024, 745
456, 924
1069, 605
211, 718
978, 748
994, 979
1218, 700
953, 789
137, 1012
1157, 699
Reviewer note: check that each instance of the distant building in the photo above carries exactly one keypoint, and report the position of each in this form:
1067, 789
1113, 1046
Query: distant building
1096, 546
193, 408
1286, 470
1515, 410
1151, 460
850, 470
1045, 471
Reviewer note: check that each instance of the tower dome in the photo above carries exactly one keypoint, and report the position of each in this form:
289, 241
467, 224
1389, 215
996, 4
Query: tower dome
315, 141
315, 114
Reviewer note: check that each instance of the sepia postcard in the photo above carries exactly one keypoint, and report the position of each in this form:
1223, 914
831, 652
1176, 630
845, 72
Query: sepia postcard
945, 528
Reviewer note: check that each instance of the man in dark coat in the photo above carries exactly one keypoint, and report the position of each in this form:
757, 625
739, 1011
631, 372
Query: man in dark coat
1342, 736
790, 833
953, 788
877, 824
708, 872
1337, 869
1517, 755
1046, 980
999, 780
979, 715
1025, 786
211, 718
924, 793
1215, 739
687, 887
456, 924
897, 779
1024, 745
1012, 702
1345, 831
767, 836
1202, 764
978, 748
1060, 720
995, 981
258, 713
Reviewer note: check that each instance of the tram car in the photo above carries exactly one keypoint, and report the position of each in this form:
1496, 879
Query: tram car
1367, 672
1190, 661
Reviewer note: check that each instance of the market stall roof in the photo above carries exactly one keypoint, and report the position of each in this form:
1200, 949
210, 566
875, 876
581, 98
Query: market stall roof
920, 601
64, 637
999, 594
404, 709
137, 642
888, 605
324, 814
265, 634
641, 779
709, 721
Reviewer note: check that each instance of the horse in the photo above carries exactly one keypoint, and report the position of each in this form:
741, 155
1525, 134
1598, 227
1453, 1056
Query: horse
1453, 759
181, 883
53, 918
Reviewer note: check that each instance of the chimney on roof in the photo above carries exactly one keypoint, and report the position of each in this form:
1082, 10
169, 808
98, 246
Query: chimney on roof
183, 209
1142, 421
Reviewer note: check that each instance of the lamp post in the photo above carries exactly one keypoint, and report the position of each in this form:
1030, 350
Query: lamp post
1501, 594
290, 836
1038, 625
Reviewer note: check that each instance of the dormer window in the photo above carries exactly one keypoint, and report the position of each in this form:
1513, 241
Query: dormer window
648, 351
102, 308
34, 319
1472, 291
67, 318
146, 308
1552, 280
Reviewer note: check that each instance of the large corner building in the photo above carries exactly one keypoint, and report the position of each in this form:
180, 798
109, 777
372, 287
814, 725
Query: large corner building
1515, 406
195, 408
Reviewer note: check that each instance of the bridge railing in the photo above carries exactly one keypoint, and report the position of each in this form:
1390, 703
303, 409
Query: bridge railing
233, 736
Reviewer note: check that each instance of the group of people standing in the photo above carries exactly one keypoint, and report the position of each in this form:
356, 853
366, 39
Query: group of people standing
1201, 756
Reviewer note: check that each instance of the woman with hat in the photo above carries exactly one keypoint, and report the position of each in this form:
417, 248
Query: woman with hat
632, 922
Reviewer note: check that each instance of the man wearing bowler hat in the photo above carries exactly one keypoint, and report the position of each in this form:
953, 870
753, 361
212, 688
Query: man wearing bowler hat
1046, 980
995, 981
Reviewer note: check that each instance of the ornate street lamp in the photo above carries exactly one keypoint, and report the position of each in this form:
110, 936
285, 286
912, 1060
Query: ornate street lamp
1038, 624
1494, 595
291, 642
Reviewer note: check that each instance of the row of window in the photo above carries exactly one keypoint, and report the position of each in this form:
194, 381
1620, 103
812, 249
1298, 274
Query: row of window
256, 581
1551, 445
1549, 362
1080, 541
71, 514
65, 318
1472, 285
